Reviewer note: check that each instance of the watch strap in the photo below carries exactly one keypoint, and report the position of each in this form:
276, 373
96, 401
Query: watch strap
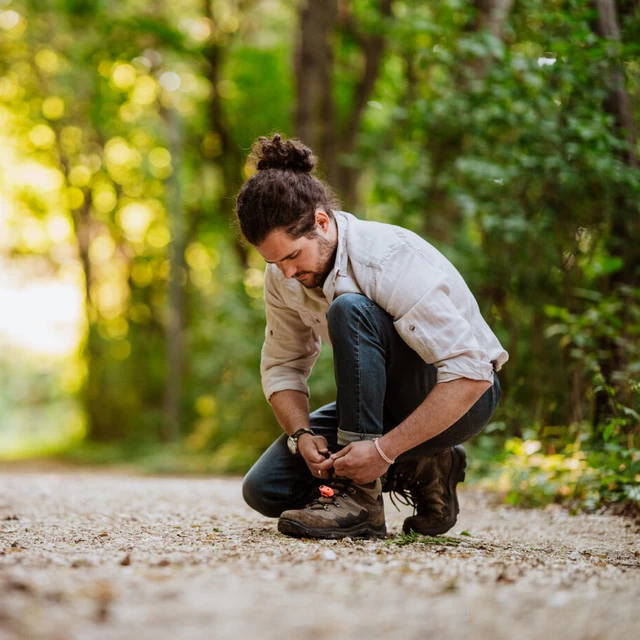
293, 440
299, 432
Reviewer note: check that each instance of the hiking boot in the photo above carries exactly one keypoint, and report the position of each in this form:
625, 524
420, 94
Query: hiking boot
343, 509
429, 485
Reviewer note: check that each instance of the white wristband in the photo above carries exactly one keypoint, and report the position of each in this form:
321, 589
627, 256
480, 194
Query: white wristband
381, 452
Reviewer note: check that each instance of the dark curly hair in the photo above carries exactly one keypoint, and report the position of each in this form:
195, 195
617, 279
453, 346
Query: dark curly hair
283, 193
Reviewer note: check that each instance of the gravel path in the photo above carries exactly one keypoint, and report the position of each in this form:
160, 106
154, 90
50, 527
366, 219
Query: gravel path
86, 555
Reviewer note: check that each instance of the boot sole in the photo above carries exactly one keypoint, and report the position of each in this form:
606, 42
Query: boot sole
458, 474
297, 530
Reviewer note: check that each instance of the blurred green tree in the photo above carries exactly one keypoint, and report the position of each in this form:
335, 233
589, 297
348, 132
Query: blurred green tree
503, 132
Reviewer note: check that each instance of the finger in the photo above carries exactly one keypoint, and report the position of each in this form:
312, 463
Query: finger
345, 474
344, 460
341, 453
325, 465
314, 458
340, 467
319, 472
321, 446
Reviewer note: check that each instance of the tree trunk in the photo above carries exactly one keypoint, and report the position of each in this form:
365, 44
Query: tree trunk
492, 16
230, 161
316, 120
372, 46
618, 102
625, 224
175, 294
313, 63
102, 427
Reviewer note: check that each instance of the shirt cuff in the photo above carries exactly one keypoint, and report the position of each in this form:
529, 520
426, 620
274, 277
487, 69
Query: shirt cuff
464, 367
285, 382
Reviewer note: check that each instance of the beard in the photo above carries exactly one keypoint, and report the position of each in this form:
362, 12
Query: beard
326, 259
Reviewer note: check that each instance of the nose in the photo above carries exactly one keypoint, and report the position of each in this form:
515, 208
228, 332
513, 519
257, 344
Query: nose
289, 270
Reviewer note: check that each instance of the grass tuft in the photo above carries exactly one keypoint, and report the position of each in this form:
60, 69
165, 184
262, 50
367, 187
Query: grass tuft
413, 537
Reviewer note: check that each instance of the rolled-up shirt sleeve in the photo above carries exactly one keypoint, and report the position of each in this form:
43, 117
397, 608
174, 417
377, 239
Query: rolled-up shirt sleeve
417, 295
290, 347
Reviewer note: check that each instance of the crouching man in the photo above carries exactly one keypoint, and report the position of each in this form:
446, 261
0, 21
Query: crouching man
415, 362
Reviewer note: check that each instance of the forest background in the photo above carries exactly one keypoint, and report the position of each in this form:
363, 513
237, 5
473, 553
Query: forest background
503, 131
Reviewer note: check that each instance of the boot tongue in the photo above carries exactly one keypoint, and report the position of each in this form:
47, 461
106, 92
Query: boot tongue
340, 484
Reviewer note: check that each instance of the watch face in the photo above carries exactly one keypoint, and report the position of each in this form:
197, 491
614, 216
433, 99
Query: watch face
292, 443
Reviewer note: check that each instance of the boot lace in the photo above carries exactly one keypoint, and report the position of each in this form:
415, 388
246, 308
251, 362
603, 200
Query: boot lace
407, 487
431, 493
403, 496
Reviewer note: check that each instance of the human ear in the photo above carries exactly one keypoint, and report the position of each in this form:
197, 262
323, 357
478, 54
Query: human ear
322, 219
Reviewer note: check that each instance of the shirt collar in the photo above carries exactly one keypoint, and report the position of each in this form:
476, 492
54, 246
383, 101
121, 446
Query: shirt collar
340, 265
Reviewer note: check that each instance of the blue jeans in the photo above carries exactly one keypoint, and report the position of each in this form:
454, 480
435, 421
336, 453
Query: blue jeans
380, 381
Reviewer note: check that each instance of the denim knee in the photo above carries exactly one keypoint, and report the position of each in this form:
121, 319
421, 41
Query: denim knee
344, 308
256, 497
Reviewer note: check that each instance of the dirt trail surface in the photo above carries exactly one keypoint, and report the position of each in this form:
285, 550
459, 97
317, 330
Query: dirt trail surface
103, 556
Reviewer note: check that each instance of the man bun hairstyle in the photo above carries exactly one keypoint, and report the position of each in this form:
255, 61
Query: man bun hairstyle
276, 154
283, 193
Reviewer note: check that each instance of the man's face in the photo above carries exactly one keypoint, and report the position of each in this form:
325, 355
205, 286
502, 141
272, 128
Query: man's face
308, 260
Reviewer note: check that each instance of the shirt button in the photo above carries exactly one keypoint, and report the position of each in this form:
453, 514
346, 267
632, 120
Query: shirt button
412, 327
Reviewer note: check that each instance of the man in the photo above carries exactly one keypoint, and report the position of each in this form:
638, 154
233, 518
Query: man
415, 363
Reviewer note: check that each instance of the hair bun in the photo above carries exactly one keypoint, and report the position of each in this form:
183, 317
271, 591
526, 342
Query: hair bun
282, 154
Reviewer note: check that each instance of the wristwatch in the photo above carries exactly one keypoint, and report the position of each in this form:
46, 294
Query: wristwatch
292, 440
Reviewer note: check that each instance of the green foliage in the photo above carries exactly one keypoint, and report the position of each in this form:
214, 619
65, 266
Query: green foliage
605, 321
40, 415
502, 151
581, 477
508, 160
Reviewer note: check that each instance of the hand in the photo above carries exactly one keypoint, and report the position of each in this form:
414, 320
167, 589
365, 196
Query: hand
315, 451
360, 462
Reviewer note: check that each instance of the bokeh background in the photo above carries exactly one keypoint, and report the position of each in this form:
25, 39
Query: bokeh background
503, 131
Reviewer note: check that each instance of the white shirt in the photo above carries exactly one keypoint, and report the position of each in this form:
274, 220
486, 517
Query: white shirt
432, 307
